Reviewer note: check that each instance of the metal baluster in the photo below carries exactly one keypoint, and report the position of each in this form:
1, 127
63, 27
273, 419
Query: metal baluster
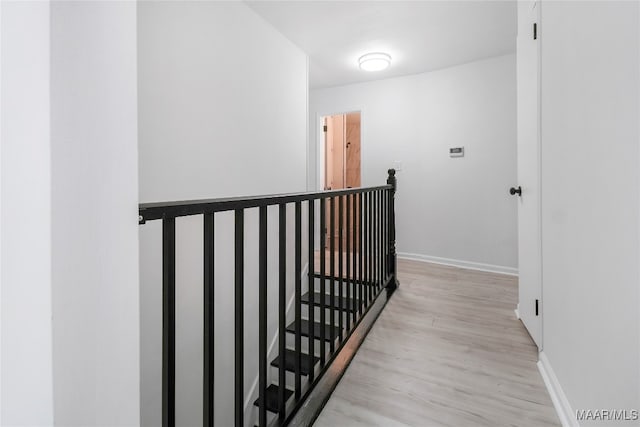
323, 275
365, 249
332, 268
168, 322
282, 305
298, 295
370, 233
361, 253
208, 327
385, 241
262, 317
340, 264
386, 236
355, 256
311, 309
381, 240
393, 262
239, 318
377, 240
348, 281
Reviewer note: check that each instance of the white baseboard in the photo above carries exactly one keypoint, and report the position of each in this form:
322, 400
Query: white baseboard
560, 402
460, 263
517, 311
253, 392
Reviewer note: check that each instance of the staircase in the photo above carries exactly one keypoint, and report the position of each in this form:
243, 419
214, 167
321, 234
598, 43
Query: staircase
310, 365
352, 273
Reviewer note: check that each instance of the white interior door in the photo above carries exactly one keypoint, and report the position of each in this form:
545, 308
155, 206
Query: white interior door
529, 237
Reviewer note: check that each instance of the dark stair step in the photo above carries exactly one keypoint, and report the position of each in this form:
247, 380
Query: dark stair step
345, 280
304, 329
272, 398
327, 301
306, 366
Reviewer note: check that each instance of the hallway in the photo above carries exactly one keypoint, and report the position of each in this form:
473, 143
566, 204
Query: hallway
446, 351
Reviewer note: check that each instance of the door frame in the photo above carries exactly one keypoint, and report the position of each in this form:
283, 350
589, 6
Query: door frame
320, 143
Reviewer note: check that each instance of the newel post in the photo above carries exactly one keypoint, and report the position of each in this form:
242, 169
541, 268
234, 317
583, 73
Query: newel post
393, 259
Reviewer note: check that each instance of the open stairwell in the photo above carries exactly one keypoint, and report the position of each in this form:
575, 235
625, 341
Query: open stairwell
345, 308
352, 273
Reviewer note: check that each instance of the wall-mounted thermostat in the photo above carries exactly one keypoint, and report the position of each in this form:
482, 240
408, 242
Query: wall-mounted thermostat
456, 152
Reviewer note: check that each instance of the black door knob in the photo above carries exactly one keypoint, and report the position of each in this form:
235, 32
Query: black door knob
514, 191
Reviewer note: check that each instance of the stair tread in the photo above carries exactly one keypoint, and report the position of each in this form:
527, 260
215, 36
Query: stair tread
304, 329
306, 364
272, 398
318, 275
337, 301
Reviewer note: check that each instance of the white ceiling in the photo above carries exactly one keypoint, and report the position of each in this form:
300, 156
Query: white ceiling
419, 35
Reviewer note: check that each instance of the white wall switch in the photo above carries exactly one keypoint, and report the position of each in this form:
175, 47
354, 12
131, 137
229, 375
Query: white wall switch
397, 165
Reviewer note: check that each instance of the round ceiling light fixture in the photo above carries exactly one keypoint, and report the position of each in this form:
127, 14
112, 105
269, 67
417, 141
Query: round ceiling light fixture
375, 61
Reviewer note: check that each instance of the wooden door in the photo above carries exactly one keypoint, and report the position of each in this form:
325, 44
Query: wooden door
342, 167
352, 159
334, 170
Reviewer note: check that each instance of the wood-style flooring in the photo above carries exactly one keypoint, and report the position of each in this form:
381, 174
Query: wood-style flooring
446, 351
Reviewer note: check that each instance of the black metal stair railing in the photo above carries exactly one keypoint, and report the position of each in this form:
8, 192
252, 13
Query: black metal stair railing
358, 237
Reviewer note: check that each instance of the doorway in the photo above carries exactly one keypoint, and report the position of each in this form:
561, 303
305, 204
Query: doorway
342, 160
342, 151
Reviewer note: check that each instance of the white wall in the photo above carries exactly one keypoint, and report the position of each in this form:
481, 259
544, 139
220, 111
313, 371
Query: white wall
223, 111
94, 213
26, 384
69, 200
448, 209
590, 200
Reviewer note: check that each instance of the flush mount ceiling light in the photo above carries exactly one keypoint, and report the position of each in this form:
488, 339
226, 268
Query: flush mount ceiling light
376, 61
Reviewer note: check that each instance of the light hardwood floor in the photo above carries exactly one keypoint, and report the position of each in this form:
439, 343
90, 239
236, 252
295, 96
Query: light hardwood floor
446, 351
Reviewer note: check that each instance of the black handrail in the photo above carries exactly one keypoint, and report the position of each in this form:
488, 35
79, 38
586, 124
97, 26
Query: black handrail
159, 210
363, 222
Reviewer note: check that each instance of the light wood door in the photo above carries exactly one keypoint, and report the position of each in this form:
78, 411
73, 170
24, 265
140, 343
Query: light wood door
342, 166
352, 150
529, 235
